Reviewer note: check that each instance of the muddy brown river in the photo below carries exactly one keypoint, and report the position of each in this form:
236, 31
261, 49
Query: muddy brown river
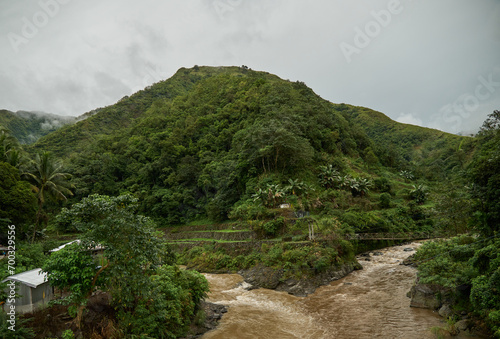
370, 303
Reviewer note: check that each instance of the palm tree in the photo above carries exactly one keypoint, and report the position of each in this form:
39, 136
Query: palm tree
346, 182
329, 176
296, 187
419, 193
359, 186
274, 194
9, 148
407, 175
47, 181
269, 196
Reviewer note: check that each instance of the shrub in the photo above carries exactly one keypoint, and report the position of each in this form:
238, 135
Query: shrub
419, 193
466, 260
274, 226
274, 255
68, 334
250, 210
385, 200
22, 331
297, 256
238, 262
328, 225
269, 228
167, 306
321, 264
382, 185
251, 260
222, 261
214, 212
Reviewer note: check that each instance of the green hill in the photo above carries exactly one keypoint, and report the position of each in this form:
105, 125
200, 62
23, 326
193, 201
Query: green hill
28, 127
110, 119
204, 141
427, 152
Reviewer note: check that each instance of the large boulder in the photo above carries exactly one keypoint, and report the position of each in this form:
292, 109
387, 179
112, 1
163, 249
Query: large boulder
463, 325
213, 314
272, 278
429, 296
445, 311
262, 276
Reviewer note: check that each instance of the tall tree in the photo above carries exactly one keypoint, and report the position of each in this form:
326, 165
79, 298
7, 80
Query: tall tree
10, 151
48, 182
151, 298
17, 202
484, 171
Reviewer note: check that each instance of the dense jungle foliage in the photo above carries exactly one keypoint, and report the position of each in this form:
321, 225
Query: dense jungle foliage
193, 146
213, 144
472, 262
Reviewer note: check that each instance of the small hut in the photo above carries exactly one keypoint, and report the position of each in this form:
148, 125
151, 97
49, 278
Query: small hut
33, 289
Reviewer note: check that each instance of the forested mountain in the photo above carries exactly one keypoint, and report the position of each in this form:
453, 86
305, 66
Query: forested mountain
209, 137
112, 119
28, 127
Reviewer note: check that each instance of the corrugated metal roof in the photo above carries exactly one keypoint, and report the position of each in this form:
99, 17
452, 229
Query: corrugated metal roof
64, 245
33, 278
77, 241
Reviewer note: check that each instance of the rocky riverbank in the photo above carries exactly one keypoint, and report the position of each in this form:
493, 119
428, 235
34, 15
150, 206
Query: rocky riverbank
367, 303
443, 300
261, 276
212, 315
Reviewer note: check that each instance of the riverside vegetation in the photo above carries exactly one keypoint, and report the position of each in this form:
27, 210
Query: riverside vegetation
209, 156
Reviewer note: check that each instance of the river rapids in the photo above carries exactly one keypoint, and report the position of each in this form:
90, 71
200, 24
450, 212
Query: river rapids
369, 303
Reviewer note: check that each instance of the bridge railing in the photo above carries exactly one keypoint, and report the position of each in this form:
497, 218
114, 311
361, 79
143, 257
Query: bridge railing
392, 236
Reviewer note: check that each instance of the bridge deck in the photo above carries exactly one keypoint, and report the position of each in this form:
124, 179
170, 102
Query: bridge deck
391, 236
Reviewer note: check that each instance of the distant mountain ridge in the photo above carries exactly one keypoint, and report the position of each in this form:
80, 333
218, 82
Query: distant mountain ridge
28, 127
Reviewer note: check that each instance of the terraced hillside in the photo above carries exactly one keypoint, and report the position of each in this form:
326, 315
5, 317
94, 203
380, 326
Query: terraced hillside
188, 236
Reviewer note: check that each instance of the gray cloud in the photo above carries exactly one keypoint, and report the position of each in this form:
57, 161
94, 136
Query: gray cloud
421, 64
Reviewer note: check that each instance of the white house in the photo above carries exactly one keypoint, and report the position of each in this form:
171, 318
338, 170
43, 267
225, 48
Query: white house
33, 289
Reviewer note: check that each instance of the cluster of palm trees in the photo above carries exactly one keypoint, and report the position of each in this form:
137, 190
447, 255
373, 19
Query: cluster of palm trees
275, 194
330, 177
43, 172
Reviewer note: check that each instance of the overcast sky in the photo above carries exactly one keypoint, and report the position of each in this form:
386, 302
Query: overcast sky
432, 63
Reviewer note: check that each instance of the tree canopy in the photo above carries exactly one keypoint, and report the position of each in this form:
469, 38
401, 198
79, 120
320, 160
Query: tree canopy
149, 295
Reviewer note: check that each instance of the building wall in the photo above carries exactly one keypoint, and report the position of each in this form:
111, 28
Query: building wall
31, 298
